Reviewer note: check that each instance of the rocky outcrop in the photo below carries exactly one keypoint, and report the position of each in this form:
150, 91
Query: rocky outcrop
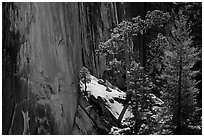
44, 47
103, 103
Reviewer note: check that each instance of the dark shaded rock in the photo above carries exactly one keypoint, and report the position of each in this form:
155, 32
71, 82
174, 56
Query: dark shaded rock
100, 81
111, 100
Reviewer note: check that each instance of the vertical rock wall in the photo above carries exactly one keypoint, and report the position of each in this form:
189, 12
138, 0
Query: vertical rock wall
44, 47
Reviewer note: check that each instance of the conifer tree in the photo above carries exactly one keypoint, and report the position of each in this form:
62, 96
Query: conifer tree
141, 102
85, 77
121, 44
179, 90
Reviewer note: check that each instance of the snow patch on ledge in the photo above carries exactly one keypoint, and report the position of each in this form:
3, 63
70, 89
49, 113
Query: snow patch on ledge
108, 93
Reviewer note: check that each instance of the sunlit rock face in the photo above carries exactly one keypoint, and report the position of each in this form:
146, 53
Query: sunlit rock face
44, 47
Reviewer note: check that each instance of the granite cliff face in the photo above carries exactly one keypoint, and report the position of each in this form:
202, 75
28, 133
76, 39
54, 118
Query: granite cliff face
44, 47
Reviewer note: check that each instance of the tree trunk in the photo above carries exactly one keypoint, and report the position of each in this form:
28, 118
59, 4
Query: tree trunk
122, 112
178, 128
127, 60
85, 87
138, 121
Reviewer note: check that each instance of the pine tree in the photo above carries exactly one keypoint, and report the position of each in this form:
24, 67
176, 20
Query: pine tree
180, 57
85, 77
154, 65
141, 102
121, 44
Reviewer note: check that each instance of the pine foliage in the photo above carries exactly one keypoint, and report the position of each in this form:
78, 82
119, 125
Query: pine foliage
138, 84
180, 56
169, 70
85, 77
